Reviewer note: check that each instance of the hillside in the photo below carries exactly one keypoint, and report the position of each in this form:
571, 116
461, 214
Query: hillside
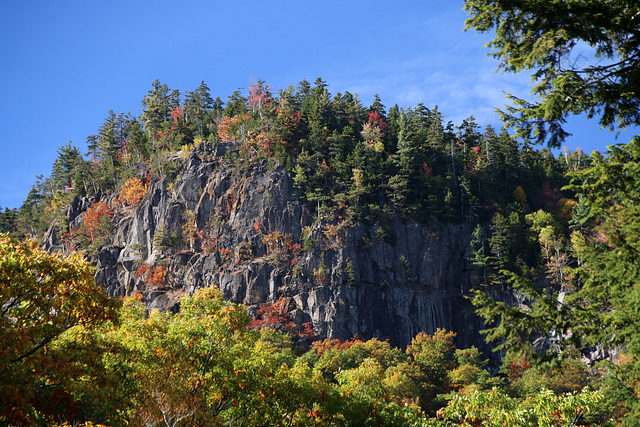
361, 219
344, 230
297, 258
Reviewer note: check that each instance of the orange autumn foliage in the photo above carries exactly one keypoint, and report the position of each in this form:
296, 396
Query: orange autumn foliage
276, 316
231, 127
154, 277
133, 191
94, 219
320, 347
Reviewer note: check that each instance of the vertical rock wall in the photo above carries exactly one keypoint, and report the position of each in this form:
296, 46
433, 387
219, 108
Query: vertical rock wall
414, 281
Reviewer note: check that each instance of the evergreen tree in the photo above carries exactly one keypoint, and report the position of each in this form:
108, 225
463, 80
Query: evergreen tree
609, 252
197, 108
468, 132
501, 242
477, 255
490, 139
137, 140
30, 213
315, 110
436, 143
581, 214
105, 148
303, 91
398, 192
348, 111
66, 167
8, 221
408, 156
507, 155
237, 105
157, 106
547, 38
408, 183
378, 107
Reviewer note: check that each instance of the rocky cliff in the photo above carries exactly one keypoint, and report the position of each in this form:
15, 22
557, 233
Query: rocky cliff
220, 222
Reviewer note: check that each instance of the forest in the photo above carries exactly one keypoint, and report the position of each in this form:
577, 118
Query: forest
558, 232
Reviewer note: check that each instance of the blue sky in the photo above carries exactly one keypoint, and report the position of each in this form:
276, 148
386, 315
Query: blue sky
65, 64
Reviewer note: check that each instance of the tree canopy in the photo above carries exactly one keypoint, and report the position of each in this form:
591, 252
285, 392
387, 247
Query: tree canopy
584, 57
41, 297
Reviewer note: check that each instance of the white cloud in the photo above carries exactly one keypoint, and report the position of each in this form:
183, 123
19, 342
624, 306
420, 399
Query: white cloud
461, 85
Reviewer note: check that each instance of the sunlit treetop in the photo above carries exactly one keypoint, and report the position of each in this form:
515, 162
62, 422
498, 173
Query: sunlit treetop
42, 295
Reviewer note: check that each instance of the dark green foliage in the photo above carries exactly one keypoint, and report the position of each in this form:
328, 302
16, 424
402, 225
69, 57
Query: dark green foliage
581, 214
164, 240
67, 169
609, 248
198, 109
236, 105
110, 150
568, 269
8, 221
349, 271
157, 109
516, 328
477, 255
385, 233
349, 164
548, 39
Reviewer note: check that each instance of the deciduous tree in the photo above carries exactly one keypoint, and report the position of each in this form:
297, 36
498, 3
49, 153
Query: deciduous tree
41, 296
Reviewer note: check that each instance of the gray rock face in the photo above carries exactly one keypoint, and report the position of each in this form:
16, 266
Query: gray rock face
387, 280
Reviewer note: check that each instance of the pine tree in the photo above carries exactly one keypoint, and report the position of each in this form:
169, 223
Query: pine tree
477, 254
197, 108
501, 242
66, 167
137, 140
236, 106
157, 110
105, 148
8, 221
581, 214
546, 40
29, 215
609, 252
378, 107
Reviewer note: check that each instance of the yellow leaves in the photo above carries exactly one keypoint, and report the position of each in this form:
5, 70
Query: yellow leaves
161, 353
274, 241
41, 296
324, 168
51, 288
624, 359
565, 208
179, 360
228, 310
190, 227
362, 382
87, 424
521, 197
358, 178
